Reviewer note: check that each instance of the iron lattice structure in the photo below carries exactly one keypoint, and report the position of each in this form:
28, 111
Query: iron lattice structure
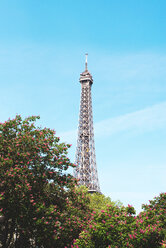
86, 169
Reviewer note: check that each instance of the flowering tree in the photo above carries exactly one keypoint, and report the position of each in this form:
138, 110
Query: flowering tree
39, 206
109, 228
155, 213
115, 227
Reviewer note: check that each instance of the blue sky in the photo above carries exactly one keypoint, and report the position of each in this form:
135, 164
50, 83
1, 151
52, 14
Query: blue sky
42, 47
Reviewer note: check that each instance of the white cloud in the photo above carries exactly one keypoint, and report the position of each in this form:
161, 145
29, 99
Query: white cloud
140, 121
144, 120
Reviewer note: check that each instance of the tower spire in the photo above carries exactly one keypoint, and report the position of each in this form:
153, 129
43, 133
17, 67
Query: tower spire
86, 169
86, 61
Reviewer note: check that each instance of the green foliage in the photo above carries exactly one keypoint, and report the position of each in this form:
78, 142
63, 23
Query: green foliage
39, 206
156, 213
116, 227
42, 206
100, 202
109, 227
97, 201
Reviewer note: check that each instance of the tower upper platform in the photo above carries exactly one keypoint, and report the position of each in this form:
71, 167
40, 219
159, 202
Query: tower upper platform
86, 76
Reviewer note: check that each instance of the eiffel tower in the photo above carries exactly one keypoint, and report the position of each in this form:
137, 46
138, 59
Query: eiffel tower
86, 169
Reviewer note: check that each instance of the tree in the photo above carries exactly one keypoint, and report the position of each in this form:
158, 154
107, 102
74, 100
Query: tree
107, 228
39, 206
100, 202
116, 226
156, 213
97, 201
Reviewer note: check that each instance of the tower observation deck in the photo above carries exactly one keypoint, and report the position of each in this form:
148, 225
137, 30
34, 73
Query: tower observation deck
86, 169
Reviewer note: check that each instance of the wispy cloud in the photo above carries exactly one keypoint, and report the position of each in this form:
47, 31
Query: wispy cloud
145, 120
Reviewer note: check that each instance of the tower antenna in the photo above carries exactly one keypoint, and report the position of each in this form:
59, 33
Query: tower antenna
86, 61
